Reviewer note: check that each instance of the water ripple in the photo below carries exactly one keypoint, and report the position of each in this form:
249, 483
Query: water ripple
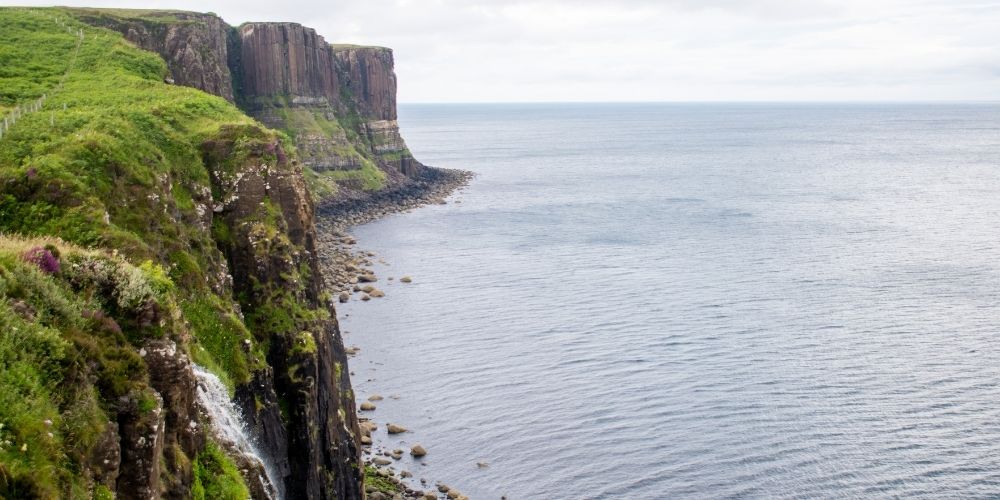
809, 312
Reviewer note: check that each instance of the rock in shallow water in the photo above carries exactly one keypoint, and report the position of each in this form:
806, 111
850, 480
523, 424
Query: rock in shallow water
417, 450
367, 406
396, 429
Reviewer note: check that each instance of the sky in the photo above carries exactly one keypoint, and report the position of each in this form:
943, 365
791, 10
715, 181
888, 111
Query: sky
655, 50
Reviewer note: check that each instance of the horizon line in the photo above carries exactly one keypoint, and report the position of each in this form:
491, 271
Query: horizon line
845, 101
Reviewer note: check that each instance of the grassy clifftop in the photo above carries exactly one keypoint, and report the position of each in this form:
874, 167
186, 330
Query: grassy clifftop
132, 213
113, 159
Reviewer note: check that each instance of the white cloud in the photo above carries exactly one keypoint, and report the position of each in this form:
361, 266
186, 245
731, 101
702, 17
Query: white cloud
660, 50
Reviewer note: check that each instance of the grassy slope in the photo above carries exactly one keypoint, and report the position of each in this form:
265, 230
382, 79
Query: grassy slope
119, 170
298, 120
120, 166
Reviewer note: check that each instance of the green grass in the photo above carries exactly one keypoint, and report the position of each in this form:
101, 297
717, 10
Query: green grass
369, 177
372, 478
299, 122
124, 141
221, 338
216, 477
349, 46
34, 55
149, 15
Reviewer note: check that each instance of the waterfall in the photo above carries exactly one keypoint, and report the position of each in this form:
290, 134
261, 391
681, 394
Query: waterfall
230, 431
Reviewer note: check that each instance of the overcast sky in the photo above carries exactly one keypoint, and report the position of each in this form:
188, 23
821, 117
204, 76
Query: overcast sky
657, 50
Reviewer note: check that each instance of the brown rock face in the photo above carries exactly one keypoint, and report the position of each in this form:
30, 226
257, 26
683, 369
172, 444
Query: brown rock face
306, 354
141, 429
170, 374
287, 59
294, 81
195, 46
368, 73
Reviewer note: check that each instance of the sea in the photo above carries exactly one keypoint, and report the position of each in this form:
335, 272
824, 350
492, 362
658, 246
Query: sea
726, 300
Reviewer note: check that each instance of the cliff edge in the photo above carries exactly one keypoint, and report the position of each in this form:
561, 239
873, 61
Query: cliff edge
158, 244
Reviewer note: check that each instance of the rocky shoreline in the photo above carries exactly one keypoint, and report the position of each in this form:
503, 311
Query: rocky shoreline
348, 275
346, 270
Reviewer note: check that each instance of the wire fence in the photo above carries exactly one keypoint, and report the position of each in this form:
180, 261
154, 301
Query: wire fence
24, 109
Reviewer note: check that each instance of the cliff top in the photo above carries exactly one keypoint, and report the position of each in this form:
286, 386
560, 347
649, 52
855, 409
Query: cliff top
351, 46
149, 15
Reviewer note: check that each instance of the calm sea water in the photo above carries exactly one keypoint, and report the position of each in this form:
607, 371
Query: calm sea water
690, 301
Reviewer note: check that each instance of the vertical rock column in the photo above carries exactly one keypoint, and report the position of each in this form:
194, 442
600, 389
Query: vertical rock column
369, 75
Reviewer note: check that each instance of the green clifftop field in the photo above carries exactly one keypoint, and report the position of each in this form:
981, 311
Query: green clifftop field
142, 224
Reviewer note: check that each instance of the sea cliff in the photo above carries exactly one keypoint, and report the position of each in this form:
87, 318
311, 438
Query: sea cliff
159, 211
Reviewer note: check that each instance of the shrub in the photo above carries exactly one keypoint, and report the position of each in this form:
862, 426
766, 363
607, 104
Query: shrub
43, 258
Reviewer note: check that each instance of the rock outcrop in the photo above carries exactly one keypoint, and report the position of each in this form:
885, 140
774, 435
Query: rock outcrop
338, 102
279, 59
274, 272
370, 77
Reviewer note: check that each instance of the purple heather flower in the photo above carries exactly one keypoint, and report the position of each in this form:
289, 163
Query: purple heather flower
42, 258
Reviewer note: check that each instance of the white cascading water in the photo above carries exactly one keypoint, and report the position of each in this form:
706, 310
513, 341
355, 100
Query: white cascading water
228, 427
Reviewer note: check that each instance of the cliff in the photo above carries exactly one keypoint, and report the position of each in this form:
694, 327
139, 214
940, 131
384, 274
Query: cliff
162, 228
337, 102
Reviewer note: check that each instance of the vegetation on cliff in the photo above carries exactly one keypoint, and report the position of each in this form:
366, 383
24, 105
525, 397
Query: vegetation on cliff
180, 221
